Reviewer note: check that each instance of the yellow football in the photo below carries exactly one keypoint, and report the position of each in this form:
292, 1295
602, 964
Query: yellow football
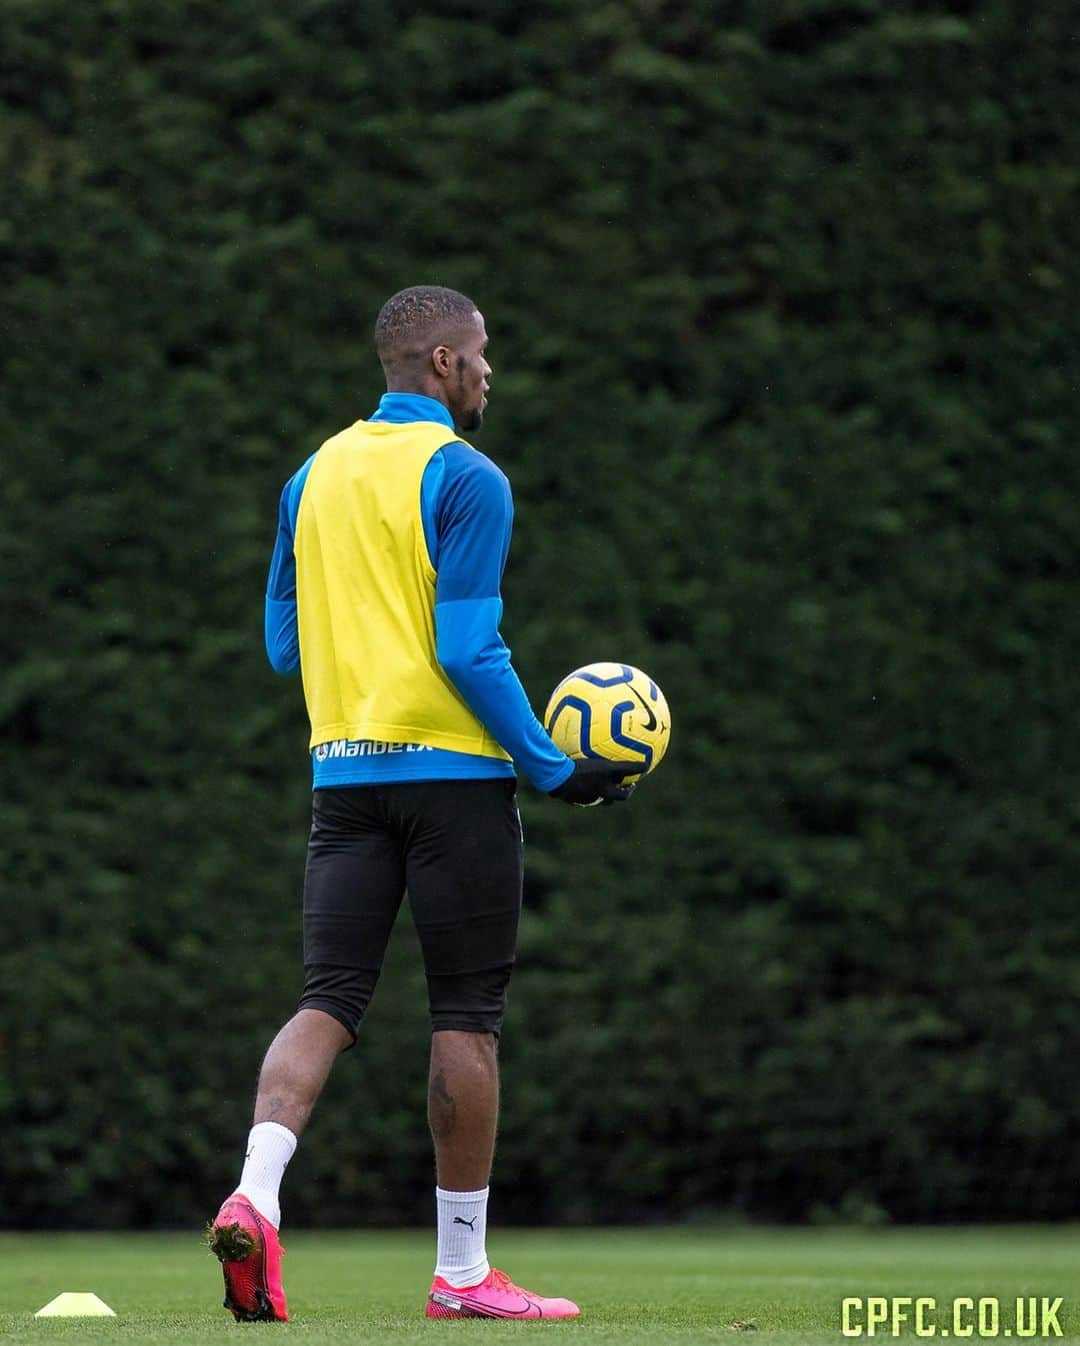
613, 711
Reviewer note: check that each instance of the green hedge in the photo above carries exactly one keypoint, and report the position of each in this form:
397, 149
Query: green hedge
784, 309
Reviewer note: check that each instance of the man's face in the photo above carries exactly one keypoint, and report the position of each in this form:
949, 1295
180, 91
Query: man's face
471, 376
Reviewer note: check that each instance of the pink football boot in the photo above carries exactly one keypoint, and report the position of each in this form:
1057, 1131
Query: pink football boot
495, 1297
247, 1247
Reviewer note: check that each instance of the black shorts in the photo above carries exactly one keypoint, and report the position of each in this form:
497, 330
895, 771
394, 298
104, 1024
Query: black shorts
456, 846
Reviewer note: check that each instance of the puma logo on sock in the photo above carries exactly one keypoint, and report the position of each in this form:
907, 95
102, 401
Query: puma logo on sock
470, 1223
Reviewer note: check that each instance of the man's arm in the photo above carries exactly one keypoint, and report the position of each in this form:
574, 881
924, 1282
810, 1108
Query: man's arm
280, 624
473, 521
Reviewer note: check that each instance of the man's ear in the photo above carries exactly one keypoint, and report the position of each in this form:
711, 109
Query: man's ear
442, 361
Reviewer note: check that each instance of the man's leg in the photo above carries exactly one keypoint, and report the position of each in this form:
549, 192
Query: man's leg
353, 886
463, 869
294, 1070
463, 1111
464, 872
463, 1107
296, 1067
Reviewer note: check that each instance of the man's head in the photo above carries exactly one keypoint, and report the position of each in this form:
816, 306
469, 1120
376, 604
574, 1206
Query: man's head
432, 340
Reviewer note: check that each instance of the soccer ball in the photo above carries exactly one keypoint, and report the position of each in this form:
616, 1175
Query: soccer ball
610, 710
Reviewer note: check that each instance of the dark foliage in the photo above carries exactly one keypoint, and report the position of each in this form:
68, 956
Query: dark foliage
785, 313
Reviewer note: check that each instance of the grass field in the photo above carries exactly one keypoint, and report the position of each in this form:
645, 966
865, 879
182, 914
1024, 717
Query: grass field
634, 1286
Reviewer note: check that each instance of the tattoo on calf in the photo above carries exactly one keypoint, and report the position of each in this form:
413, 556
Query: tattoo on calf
442, 1109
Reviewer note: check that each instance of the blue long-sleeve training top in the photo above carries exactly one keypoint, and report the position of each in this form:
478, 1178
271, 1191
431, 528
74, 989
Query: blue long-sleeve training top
467, 513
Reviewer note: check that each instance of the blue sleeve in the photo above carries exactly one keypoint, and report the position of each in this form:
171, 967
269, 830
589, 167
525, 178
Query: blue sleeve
279, 623
473, 517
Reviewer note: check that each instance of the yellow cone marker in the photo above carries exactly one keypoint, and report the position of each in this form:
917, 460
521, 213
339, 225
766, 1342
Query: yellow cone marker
73, 1305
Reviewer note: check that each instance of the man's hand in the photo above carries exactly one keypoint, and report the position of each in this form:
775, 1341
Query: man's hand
595, 780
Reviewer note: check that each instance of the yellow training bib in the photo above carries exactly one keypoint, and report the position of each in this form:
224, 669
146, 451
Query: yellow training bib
365, 595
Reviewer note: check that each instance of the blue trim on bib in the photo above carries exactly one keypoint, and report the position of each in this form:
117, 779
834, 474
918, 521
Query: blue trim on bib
364, 762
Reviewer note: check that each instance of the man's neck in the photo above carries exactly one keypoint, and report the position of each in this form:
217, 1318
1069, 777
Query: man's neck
411, 408
432, 390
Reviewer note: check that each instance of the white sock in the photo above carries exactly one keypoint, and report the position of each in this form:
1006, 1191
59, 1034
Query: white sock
269, 1149
462, 1233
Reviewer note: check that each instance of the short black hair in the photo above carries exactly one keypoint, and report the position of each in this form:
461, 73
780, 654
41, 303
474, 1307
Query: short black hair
413, 321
